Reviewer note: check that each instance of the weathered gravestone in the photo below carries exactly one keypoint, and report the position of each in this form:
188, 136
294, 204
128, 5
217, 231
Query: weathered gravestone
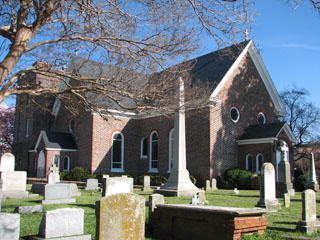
312, 182
7, 162
28, 209
57, 194
309, 222
9, 226
214, 184
286, 200
63, 223
146, 183
208, 185
155, 199
120, 217
74, 191
284, 184
53, 176
267, 189
92, 184
14, 184
114, 185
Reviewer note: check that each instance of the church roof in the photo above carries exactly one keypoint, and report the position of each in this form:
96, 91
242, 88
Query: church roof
264, 133
270, 130
57, 140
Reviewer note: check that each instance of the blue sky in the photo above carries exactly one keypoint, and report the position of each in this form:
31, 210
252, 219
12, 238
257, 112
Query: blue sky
289, 41
289, 44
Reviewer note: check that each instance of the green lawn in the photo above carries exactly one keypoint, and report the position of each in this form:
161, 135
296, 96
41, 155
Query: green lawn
282, 223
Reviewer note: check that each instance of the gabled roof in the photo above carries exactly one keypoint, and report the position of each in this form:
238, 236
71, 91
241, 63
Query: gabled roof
57, 141
263, 133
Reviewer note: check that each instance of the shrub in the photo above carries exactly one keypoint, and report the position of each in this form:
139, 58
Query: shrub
255, 182
78, 174
238, 178
300, 182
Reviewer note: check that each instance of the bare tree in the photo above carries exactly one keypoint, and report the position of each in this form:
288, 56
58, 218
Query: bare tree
141, 36
295, 3
302, 116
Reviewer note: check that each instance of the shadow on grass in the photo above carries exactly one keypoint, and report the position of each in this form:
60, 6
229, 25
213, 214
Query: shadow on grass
281, 229
289, 223
296, 200
253, 196
85, 205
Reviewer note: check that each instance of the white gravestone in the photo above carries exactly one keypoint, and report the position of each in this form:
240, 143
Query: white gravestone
114, 185
92, 184
63, 223
309, 222
14, 184
7, 162
53, 176
146, 183
57, 193
9, 226
268, 189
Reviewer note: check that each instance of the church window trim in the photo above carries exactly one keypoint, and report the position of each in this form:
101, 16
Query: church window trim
144, 148
234, 114
249, 162
154, 152
115, 142
261, 118
258, 164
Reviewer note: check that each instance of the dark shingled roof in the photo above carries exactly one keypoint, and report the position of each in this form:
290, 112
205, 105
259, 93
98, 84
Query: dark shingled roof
58, 140
269, 130
213, 67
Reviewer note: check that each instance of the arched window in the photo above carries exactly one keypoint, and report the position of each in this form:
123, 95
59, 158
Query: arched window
153, 165
144, 148
117, 152
259, 162
261, 118
249, 160
171, 141
66, 164
71, 125
56, 161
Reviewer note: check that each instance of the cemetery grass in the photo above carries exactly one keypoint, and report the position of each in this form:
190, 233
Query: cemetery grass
281, 224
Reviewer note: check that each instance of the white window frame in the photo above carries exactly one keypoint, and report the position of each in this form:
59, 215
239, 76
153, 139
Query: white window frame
141, 148
122, 152
64, 159
247, 161
27, 128
70, 125
257, 162
153, 170
238, 118
264, 118
171, 140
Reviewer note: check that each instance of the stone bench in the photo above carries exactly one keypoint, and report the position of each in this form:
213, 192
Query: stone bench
170, 221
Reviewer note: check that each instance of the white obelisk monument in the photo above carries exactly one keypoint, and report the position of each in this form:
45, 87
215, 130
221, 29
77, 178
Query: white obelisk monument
179, 183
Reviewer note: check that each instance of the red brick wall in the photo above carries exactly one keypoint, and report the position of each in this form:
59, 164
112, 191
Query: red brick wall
245, 90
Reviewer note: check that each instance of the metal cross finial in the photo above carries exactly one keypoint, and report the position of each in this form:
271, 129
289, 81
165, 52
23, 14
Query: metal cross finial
246, 34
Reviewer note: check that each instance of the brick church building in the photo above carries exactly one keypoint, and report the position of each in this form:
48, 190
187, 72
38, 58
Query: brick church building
239, 127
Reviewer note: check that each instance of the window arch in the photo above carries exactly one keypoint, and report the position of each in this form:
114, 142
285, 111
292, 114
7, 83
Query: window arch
249, 161
117, 152
66, 164
71, 125
144, 148
56, 161
171, 142
259, 162
153, 163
